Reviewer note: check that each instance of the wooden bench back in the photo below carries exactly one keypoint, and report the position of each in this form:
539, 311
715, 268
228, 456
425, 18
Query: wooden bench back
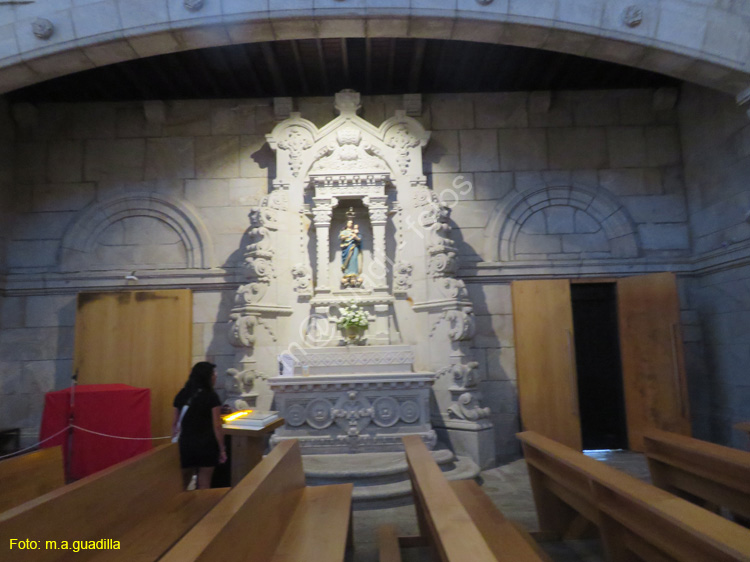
99, 506
29, 476
440, 514
632, 516
252, 517
719, 475
506, 539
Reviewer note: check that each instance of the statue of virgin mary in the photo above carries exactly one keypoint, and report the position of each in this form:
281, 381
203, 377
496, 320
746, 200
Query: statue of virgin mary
351, 253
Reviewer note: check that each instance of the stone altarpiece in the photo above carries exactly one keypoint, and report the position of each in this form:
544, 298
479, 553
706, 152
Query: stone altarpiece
414, 374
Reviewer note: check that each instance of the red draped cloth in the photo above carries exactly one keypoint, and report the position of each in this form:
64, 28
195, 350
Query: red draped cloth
114, 409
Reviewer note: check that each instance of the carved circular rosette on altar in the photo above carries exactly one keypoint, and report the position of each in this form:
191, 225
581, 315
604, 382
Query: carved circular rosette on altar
386, 411
295, 415
319, 413
409, 411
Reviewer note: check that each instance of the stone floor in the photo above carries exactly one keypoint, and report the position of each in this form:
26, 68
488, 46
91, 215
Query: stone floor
509, 488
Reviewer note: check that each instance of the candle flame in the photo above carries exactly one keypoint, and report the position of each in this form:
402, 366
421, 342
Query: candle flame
236, 415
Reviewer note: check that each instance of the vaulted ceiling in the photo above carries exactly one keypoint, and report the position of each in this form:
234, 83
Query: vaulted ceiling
320, 67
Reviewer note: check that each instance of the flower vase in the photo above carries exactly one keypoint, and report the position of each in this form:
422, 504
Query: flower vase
353, 334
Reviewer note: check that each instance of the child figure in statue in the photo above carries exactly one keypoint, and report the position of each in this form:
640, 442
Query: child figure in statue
351, 255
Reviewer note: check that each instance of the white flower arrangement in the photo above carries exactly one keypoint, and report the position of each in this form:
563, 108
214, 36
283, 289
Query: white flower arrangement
352, 315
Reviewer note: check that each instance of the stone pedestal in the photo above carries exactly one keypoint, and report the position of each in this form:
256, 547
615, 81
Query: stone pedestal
470, 439
352, 413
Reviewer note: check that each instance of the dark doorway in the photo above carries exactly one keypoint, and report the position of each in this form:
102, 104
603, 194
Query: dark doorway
600, 392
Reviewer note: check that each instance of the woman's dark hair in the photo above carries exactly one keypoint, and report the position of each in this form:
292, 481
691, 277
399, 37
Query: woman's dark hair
201, 376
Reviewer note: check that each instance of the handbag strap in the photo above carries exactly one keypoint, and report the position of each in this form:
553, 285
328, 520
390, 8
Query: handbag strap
182, 415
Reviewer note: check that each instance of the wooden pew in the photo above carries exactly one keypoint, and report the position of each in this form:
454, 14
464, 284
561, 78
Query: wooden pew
503, 536
456, 520
717, 475
635, 520
271, 516
139, 502
29, 476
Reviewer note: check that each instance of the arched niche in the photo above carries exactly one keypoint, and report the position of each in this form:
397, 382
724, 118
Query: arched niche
559, 211
170, 221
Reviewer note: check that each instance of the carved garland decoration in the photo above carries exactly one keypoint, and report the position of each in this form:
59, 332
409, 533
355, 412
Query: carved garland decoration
353, 412
401, 139
297, 140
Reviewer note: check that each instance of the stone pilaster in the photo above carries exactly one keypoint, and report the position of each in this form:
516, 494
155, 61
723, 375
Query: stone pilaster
322, 220
378, 217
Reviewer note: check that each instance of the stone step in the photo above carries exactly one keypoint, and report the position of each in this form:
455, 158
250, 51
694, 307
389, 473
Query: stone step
364, 465
380, 479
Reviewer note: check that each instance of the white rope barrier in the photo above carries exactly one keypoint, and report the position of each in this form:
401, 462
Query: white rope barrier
64, 429
119, 436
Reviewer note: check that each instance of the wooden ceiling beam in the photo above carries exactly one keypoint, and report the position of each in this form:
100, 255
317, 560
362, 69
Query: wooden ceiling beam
300, 68
157, 74
391, 65
185, 75
322, 65
249, 67
198, 64
237, 61
219, 59
273, 67
132, 78
440, 66
345, 62
417, 61
368, 65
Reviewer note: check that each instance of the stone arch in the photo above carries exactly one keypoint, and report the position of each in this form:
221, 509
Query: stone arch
681, 38
511, 213
80, 239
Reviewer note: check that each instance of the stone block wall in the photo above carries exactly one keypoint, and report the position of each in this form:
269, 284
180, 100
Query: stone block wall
6, 218
71, 161
7, 134
36, 351
716, 141
600, 172
616, 144
493, 153
494, 348
206, 156
210, 330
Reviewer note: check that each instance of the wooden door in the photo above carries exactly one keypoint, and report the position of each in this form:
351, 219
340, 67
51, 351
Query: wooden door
653, 368
140, 338
545, 359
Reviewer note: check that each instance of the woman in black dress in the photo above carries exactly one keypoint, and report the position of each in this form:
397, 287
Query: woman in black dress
201, 441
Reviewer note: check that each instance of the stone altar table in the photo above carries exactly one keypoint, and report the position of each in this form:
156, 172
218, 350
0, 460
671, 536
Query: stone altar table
356, 399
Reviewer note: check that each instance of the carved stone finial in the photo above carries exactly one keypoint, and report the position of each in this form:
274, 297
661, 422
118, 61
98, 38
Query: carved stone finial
194, 5
347, 101
43, 28
632, 16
